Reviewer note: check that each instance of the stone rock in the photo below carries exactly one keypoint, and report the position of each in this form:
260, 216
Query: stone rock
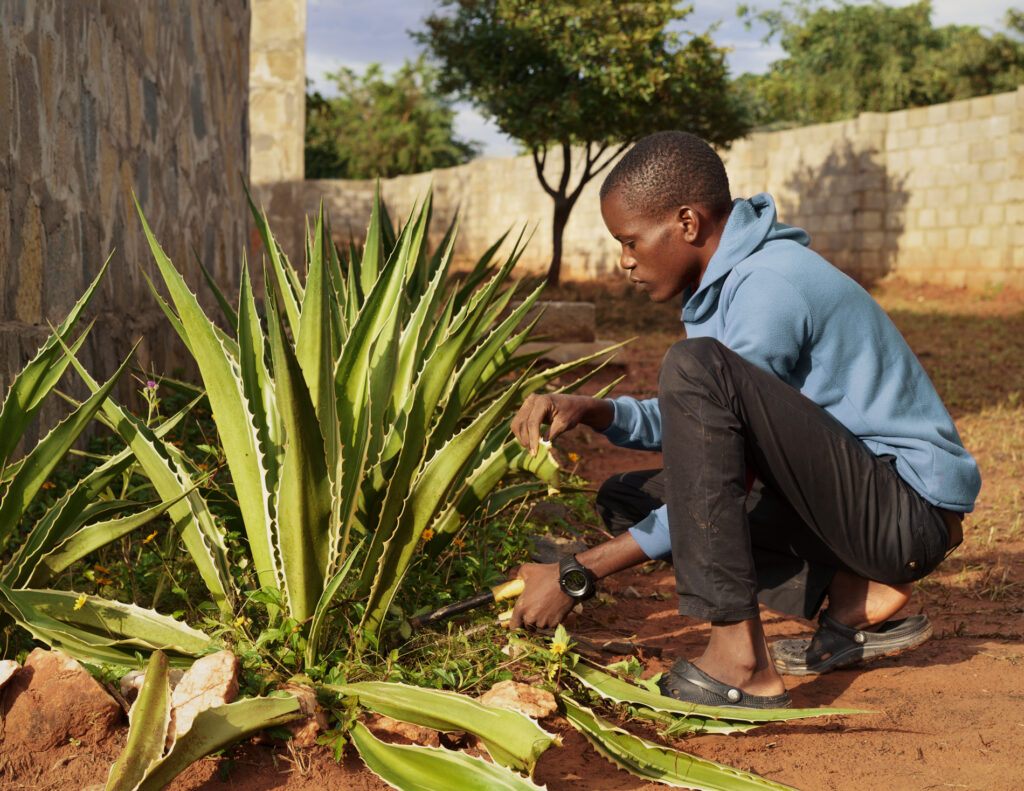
131, 683
51, 700
391, 730
562, 353
305, 731
528, 700
8, 667
211, 681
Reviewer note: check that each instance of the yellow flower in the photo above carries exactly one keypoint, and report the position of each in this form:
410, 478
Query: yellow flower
104, 581
428, 534
458, 542
150, 537
240, 620
49, 485
558, 648
574, 457
80, 601
102, 569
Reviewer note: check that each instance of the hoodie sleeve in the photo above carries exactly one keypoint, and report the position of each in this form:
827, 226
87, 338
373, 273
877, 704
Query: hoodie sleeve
636, 424
652, 536
767, 322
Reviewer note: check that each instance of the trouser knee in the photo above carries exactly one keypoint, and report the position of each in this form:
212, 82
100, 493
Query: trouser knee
688, 361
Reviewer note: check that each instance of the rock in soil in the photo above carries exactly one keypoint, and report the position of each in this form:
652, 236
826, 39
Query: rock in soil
211, 681
305, 731
528, 700
52, 700
390, 730
131, 683
8, 667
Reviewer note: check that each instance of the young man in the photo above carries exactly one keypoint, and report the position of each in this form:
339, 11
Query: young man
791, 377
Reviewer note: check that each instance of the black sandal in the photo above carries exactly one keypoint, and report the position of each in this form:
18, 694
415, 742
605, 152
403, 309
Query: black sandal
686, 682
834, 645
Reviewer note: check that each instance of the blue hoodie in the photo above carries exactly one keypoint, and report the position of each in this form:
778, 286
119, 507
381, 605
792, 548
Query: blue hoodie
787, 310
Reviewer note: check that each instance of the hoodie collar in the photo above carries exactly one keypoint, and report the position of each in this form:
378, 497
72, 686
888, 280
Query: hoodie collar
751, 223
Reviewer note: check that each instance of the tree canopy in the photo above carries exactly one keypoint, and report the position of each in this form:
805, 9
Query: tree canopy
851, 58
380, 126
598, 74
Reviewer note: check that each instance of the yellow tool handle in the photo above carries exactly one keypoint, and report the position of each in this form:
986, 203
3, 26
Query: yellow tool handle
508, 590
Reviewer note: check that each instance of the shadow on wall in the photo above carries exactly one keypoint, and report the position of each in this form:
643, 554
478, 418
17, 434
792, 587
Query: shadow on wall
853, 210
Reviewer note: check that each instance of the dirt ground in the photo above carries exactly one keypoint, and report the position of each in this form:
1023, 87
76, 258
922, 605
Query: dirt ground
949, 714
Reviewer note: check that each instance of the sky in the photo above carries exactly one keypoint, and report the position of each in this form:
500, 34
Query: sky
355, 33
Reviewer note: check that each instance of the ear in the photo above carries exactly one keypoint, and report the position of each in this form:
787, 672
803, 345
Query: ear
689, 223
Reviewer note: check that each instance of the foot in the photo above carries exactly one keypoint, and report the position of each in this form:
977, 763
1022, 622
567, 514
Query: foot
737, 655
864, 604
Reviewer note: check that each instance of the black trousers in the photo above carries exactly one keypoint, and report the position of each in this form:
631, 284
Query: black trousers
821, 502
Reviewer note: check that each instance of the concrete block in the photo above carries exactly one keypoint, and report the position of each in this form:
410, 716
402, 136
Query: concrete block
993, 171
993, 214
982, 107
948, 215
927, 218
929, 134
917, 117
938, 114
979, 194
959, 111
868, 220
935, 239
912, 238
956, 238
978, 237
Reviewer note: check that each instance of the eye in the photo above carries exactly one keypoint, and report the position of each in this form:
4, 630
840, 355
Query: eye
630, 245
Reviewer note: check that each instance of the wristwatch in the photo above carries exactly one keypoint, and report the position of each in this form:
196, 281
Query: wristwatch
575, 579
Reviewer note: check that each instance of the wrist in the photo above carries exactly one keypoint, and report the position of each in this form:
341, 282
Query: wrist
601, 414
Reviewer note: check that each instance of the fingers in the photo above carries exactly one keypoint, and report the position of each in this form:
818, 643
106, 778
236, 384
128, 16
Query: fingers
533, 414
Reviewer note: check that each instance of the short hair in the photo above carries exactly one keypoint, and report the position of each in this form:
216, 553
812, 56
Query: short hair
670, 169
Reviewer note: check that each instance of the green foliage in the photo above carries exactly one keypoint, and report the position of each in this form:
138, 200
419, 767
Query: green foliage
380, 127
846, 58
596, 74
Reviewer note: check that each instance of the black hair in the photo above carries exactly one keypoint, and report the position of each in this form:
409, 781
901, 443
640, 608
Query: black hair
670, 169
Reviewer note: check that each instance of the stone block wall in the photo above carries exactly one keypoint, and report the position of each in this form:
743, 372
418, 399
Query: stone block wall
932, 194
100, 98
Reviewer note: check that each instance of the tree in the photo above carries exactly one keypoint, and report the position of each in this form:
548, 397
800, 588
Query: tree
379, 126
598, 74
849, 59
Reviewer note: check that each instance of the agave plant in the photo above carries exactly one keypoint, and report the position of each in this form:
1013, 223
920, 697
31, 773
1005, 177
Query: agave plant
80, 521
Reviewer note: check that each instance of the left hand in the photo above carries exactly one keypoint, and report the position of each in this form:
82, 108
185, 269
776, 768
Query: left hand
542, 604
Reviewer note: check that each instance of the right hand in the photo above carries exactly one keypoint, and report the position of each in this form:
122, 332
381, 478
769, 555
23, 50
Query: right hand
560, 412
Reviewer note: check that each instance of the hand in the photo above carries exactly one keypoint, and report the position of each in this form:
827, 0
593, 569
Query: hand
542, 603
560, 412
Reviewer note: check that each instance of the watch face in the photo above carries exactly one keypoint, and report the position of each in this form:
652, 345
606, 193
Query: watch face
575, 582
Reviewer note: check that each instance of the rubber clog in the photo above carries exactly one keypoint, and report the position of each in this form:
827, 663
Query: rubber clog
686, 682
834, 645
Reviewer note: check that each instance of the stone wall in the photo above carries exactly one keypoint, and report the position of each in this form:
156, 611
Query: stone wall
933, 194
99, 98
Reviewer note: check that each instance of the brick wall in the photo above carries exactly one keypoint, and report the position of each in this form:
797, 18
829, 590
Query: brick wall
933, 194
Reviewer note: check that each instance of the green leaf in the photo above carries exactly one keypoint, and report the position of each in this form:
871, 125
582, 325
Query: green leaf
622, 691
413, 768
149, 719
231, 411
36, 380
661, 764
44, 458
304, 491
217, 728
512, 739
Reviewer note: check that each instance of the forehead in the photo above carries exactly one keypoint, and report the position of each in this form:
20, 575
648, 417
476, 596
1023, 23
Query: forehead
622, 213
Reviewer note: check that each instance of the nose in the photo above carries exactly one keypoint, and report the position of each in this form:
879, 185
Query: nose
626, 260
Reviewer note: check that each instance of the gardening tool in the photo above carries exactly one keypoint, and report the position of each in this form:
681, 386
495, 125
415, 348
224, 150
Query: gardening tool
506, 590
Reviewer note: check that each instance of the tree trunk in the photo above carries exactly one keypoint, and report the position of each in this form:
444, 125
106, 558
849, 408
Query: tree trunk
561, 216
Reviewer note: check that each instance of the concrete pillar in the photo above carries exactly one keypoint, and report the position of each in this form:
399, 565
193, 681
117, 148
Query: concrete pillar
277, 91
